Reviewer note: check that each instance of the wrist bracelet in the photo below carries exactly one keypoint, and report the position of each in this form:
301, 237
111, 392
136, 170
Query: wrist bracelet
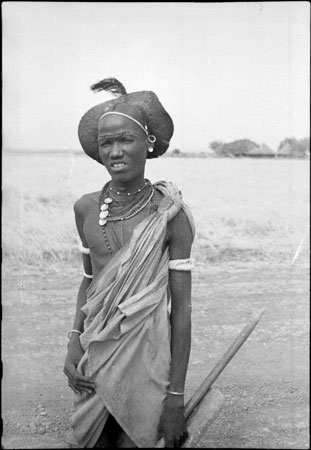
176, 393
73, 331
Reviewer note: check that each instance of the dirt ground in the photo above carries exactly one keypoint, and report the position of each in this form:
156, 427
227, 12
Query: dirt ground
265, 386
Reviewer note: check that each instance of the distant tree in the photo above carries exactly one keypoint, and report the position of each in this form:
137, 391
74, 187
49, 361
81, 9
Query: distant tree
305, 142
290, 141
294, 148
216, 146
240, 147
300, 148
176, 152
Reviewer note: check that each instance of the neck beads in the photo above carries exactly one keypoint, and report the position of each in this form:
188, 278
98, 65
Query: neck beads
119, 206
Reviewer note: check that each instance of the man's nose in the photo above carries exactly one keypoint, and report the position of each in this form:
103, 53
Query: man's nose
116, 149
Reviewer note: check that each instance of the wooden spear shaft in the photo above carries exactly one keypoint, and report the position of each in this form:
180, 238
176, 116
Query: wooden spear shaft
219, 367
221, 364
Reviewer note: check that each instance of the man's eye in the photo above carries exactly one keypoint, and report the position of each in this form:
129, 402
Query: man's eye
105, 143
126, 139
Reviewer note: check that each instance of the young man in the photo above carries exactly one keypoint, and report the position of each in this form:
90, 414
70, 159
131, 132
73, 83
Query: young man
129, 348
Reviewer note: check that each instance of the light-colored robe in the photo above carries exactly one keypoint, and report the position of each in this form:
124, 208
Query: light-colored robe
126, 334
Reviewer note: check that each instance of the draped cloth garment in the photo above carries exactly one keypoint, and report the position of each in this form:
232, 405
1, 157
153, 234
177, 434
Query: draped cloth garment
126, 335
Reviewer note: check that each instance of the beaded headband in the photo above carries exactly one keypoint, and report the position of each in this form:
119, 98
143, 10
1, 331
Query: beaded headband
117, 113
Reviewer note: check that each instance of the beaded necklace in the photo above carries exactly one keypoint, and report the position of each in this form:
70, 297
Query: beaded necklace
125, 209
130, 193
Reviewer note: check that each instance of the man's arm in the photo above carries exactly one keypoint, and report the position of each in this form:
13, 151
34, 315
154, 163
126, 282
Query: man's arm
76, 380
180, 242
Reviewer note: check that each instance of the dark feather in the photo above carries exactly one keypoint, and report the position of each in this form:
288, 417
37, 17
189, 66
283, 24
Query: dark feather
109, 84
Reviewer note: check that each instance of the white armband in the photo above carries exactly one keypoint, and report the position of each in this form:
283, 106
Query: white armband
181, 264
84, 250
87, 276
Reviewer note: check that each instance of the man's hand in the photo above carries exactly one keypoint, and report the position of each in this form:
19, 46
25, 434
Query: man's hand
78, 382
172, 424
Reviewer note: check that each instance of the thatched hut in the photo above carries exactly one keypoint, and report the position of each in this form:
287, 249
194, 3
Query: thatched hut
263, 151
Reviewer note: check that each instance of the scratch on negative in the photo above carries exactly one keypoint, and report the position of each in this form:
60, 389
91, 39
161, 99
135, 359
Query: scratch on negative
298, 251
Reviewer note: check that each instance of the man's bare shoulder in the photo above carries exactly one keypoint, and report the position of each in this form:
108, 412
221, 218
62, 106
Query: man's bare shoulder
180, 224
83, 204
179, 236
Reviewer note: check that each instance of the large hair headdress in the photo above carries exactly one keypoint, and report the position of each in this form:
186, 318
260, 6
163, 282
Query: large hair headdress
143, 106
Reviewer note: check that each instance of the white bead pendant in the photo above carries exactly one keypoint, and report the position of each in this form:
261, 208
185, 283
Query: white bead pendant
103, 214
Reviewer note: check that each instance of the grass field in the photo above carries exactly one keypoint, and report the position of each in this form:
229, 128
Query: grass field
243, 208
251, 217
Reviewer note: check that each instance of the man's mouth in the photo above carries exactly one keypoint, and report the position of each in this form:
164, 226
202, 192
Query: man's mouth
118, 165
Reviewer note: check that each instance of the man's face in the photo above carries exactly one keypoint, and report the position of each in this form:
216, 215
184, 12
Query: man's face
122, 148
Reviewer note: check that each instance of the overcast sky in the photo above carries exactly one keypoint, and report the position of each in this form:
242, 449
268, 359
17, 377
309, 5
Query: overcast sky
224, 71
